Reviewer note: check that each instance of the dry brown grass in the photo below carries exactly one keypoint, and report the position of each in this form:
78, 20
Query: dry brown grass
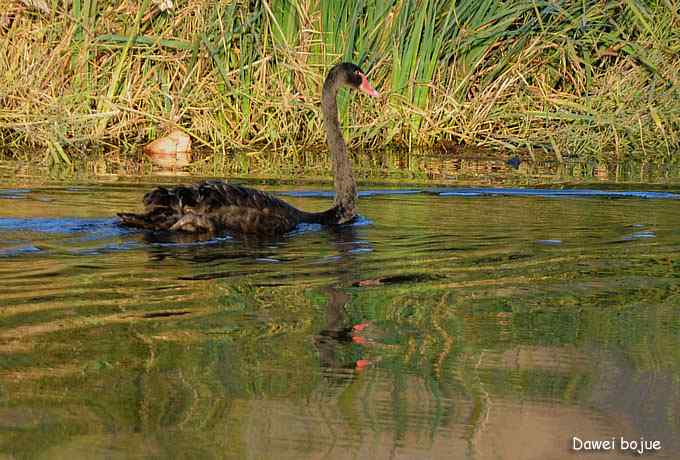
108, 77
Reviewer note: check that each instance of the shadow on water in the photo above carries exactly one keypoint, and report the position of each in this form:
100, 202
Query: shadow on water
448, 323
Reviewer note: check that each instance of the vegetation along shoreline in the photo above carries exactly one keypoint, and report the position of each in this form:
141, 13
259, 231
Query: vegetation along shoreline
588, 80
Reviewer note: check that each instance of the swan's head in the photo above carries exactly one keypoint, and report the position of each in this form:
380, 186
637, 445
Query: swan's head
351, 75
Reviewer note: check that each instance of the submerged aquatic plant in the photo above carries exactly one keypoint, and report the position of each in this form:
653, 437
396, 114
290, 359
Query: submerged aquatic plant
590, 79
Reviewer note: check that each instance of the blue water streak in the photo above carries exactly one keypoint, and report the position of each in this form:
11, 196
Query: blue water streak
56, 225
546, 192
497, 191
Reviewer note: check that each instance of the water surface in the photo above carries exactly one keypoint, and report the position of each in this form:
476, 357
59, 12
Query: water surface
446, 323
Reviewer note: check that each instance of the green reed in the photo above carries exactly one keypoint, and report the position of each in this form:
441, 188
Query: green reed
588, 79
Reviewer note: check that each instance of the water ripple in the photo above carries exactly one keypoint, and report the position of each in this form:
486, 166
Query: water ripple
59, 225
491, 191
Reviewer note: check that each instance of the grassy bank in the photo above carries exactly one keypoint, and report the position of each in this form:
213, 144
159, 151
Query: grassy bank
587, 79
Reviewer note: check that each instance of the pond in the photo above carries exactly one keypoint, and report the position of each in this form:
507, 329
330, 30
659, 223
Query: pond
461, 322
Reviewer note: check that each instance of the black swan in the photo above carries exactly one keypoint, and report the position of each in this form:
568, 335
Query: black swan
215, 206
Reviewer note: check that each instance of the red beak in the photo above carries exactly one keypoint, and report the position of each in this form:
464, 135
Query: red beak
367, 88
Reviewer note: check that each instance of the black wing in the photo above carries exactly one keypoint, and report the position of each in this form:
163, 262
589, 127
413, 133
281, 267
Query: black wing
214, 206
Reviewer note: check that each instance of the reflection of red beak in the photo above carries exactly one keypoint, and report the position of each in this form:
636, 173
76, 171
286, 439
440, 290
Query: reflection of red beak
359, 340
361, 326
361, 364
367, 88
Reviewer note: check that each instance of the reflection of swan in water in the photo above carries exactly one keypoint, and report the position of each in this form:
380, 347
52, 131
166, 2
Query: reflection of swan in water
216, 206
338, 331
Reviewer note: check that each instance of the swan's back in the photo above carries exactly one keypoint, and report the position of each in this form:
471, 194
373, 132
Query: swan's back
215, 206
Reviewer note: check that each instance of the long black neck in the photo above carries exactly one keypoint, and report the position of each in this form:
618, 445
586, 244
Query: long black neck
345, 185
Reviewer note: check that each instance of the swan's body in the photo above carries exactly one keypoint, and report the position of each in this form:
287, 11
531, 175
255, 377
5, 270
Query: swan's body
216, 206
